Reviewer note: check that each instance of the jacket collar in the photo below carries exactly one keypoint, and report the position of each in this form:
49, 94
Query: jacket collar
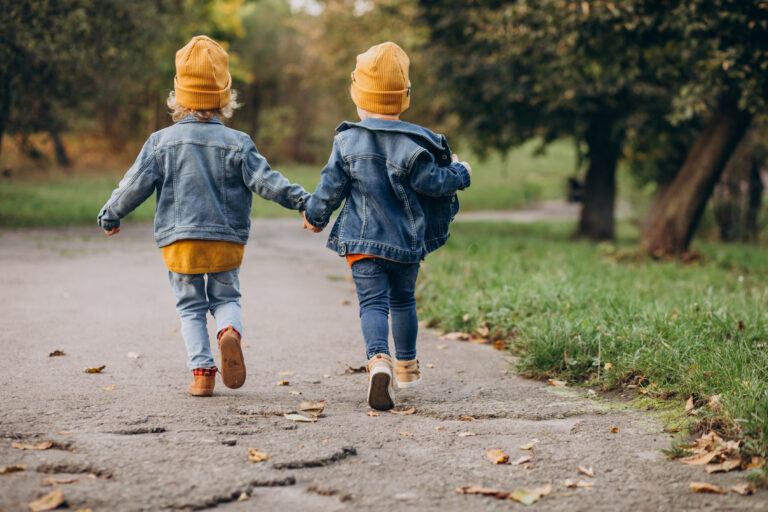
436, 141
192, 119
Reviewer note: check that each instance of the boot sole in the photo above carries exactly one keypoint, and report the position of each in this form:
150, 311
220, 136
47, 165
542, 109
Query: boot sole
232, 362
378, 392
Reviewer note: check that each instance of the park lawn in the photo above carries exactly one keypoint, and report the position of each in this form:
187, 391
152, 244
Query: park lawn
598, 314
63, 199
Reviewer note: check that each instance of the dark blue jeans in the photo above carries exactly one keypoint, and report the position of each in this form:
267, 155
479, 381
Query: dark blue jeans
385, 287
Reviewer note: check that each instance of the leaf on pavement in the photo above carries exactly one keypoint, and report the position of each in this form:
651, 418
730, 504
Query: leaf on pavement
39, 446
283, 383
50, 501
300, 417
286, 374
295, 393
57, 353
577, 483
614, 430
55, 481
439, 427
405, 433
455, 336
725, 466
522, 460
442, 347
497, 456
705, 487
403, 413
111, 387
255, 455
7, 470
97, 369
700, 459
372, 413
467, 418
466, 434
529, 446
744, 488
557, 383
590, 471
349, 370
133, 355
311, 407
531, 496
430, 365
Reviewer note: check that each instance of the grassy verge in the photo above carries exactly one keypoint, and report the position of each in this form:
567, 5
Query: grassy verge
597, 314
61, 199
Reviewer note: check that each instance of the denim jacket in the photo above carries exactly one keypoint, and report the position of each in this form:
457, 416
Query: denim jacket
204, 174
400, 189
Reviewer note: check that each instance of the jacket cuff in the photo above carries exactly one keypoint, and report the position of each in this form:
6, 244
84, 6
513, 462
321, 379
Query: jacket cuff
107, 225
465, 177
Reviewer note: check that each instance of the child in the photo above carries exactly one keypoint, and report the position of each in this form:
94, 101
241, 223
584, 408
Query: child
204, 174
400, 184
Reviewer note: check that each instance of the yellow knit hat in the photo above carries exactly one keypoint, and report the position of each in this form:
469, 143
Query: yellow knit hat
380, 80
202, 78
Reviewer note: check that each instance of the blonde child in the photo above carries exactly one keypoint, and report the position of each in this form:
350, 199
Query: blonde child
205, 174
399, 181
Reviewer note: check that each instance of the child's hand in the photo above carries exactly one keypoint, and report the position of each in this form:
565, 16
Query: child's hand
308, 225
111, 232
455, 158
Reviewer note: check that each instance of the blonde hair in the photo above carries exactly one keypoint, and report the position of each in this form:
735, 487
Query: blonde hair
179, 112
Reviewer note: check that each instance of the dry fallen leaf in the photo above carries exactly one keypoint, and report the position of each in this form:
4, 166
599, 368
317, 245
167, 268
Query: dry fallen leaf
577, 483
700, 459
455, 336
287, 373
465, 317
725, 466
528, 446
467, 418
403, 413
313, 408
430, 365
587, 471
300, 417
614, 430
65, 432
133, 355
48, 502
39, 446
111, 387
284, 383
7, 470
57, 353
497, 456
557, 383
689, 405
349, 370
608, 367
442, 347
440, 427
295, 393
404, 433
744, 488
255, 455
522, 460
466, 434
372, 413
705, 487
243, 496
96, 369
345, 302
531, 496
54, 481
714, 403
483, 331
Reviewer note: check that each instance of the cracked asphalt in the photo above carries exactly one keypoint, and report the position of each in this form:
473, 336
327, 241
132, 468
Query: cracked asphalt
146, 445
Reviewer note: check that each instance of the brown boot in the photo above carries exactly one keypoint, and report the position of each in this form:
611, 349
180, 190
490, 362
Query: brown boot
204, 380
408, 373
232, 362
381, 392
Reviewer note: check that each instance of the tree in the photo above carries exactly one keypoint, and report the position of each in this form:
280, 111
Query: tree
725, 44
553, 68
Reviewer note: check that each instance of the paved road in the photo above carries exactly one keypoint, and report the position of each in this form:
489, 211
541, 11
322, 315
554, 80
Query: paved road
152, 447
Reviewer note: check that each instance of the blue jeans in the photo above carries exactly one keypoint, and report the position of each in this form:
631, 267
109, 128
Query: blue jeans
385, 287
194, 298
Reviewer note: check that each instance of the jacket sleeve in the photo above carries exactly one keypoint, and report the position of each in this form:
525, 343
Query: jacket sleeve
332, 190
136, 186
259, 177
428, 179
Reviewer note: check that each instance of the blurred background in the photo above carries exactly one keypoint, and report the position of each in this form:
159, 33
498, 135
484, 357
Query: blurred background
652, 111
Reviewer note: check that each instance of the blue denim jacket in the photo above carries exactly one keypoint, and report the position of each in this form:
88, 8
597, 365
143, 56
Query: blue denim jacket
400, 189
204, 174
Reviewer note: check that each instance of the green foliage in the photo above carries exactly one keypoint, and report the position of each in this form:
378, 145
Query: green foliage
570, 308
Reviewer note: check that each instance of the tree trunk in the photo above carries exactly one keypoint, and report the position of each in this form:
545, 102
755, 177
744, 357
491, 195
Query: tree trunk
5, 106
61, 152
671, 224
733, 195
597, 213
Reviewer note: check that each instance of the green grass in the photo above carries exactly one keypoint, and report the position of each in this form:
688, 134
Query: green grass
75, 198
601, 315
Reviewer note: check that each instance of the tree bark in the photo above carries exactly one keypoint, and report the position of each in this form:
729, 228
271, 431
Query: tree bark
671, 224
597, 213
733, 199
61, 152
5, 106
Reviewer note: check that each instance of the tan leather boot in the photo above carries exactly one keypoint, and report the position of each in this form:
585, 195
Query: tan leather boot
381, 390
408, 373
203, 383
232, 362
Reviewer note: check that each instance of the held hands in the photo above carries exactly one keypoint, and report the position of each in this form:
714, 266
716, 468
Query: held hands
455, 158
111, 232
308, 225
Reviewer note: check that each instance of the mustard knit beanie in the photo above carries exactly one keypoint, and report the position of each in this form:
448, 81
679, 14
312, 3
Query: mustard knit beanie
202, 78
380, 80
